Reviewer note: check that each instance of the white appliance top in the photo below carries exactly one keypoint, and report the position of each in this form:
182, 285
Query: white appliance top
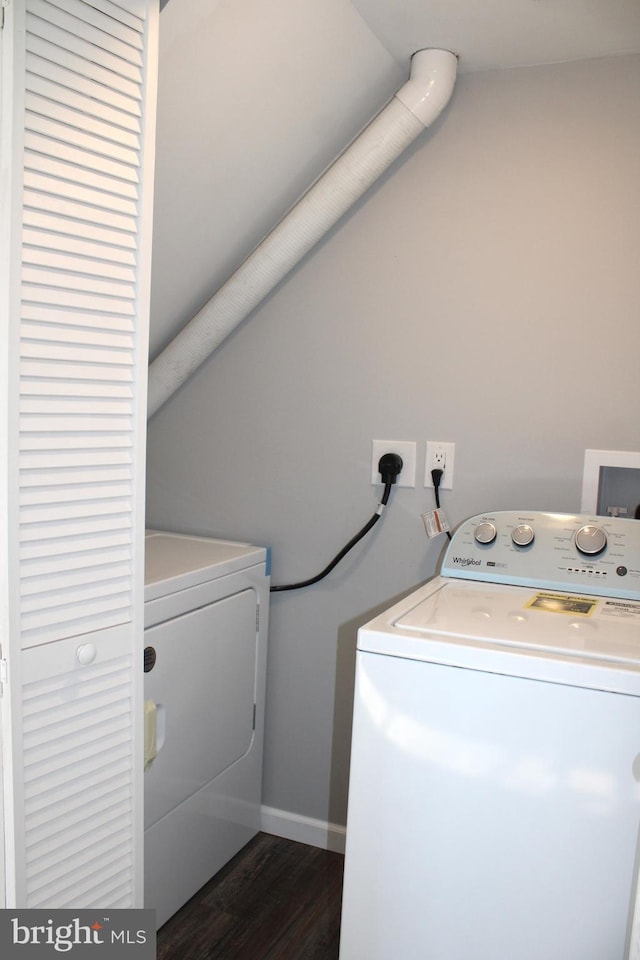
180, 561
525, 616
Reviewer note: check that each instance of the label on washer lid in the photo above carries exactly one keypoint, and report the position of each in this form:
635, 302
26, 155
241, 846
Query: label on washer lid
621, 608
564, 603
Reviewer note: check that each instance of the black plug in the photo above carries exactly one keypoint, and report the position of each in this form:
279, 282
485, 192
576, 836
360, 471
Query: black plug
436, 477
390, 467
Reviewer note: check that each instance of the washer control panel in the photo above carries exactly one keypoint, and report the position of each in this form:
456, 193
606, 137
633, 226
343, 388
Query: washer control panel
557, 551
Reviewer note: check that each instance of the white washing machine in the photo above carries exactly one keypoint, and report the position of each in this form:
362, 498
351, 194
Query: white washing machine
494, 799
206, 615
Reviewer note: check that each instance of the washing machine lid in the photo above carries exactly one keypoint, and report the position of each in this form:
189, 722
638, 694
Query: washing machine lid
177, 561
521, 631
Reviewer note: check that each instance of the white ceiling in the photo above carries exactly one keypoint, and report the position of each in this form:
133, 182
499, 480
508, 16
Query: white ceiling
489, 34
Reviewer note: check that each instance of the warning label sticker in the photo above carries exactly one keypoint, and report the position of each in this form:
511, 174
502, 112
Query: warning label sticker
564, 603
626, 609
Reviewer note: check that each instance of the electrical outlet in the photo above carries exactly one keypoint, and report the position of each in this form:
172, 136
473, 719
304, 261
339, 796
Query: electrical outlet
439, 456
406, 449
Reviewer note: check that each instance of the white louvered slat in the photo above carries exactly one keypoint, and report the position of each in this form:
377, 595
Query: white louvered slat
76, 299
46, 21
51, 586
126, 28
79, 336
75, 418
52, 493
48, 485
48, 314
110, 614
51, 236
63, 95
37, 258
94, 890
108, 359
65, 797
78, 192
65, 371
56, 550
71, 479
101, 816
129, 14
57, 224
47, 69
37, 145
63, 405
74, 281
67, 117
52, 512
37, 449
51, 52
104, 32
61, 392
41, 569
38, 164
75, 137
83, 762
72, 210
75, 604
69, 880
90, 694
70, 528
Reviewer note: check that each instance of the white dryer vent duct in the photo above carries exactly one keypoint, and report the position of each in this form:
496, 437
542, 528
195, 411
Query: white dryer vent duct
414, 107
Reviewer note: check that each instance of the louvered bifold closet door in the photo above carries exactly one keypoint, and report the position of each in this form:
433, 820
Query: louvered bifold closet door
78, 348
80, 423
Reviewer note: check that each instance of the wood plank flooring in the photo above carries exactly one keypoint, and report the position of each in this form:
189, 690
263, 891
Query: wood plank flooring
276, 900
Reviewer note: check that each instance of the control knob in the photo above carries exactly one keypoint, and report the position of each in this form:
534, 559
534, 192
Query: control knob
485, 532
522, 535
591, 540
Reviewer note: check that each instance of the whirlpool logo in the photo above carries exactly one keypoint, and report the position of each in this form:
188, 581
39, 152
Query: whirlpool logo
466, 562
40, 933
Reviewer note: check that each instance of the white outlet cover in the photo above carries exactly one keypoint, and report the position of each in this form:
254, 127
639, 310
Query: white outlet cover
450, 450
406, 449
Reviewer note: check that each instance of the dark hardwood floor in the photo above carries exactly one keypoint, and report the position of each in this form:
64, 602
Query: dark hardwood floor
276, 900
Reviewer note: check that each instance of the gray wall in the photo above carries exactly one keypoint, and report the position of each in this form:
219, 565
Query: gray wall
486, 293
255, 99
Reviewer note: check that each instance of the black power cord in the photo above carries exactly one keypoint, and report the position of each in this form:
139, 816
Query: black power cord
390, 466
436, 477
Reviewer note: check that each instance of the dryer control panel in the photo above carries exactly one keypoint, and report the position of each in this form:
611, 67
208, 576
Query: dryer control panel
557, 551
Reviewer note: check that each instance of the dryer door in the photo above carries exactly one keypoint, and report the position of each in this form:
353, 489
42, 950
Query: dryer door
203, 684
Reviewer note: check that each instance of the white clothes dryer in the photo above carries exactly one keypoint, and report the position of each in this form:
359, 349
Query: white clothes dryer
206, 617
494, 798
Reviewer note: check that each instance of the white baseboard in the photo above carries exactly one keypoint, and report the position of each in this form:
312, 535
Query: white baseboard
292, 826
